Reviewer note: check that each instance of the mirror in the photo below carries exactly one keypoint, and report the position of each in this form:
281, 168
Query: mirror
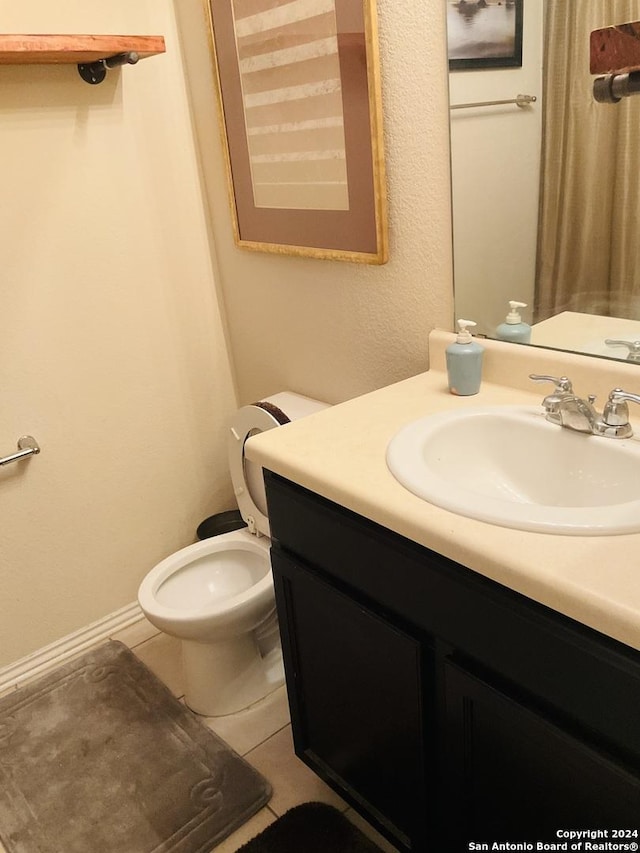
546, 195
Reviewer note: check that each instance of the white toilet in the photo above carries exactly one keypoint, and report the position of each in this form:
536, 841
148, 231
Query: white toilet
217, 596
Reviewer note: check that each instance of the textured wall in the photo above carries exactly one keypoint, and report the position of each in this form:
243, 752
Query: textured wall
335, 330
111, 345
112, 342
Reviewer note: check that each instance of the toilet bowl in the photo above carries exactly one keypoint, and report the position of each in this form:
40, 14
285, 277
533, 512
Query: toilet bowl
217, 595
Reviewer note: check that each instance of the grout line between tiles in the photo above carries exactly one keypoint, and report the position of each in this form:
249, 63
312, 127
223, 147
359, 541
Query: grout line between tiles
262, 742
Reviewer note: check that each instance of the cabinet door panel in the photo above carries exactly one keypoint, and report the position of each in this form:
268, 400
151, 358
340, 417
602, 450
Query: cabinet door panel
355, 685
516, 776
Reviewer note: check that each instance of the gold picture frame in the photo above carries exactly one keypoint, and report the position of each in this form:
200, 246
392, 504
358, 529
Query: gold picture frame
301, 112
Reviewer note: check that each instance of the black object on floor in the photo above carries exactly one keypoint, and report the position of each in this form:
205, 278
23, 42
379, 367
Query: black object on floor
311, 828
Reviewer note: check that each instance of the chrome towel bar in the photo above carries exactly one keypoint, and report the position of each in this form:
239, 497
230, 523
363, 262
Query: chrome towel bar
27, 446
519, 100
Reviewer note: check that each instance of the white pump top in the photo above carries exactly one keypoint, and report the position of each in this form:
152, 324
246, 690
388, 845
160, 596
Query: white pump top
513, 317
464, 335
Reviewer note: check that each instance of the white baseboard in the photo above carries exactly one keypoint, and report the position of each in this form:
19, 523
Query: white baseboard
50, 657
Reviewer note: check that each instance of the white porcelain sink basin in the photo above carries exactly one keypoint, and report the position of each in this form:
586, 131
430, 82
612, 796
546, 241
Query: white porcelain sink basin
507, 465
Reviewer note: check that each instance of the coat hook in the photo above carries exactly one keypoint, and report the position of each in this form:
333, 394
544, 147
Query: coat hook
95, 72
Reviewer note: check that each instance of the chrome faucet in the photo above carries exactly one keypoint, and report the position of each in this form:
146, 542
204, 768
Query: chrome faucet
633, 348
566, 409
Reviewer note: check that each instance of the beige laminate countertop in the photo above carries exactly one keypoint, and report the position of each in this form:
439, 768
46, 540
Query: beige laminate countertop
586, 333
339, 453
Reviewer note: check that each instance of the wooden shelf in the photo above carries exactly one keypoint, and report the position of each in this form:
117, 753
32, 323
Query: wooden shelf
56, 49
615, 50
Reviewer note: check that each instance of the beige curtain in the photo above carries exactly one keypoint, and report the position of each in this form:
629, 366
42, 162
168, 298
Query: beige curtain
589, 235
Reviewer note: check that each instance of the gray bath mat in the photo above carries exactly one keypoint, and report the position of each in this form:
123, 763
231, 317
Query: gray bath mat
99, 757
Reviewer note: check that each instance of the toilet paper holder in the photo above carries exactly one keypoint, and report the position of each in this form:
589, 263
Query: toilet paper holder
27, 446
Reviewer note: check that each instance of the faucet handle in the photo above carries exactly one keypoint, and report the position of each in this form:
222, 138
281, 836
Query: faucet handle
633, 348
563, 383
553, 402
616, 412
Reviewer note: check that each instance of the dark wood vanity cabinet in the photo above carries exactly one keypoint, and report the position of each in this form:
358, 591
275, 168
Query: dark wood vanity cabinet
517, 775
444, 707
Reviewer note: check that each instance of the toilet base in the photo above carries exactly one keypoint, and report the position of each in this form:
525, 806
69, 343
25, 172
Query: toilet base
225, 677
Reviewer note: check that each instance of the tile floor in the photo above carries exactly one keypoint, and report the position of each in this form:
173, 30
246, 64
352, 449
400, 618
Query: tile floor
261, 733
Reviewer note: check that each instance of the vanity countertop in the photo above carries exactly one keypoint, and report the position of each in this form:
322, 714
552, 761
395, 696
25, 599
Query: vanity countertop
586, 333
339, 453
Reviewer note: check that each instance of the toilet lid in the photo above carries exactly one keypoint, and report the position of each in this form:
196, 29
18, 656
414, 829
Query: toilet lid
246, 476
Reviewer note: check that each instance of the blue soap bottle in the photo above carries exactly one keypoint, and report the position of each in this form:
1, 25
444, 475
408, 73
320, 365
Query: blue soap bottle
464, 362
513, 329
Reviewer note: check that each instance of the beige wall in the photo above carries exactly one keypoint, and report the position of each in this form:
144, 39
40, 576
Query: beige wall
111, 345
335, 330
112, 349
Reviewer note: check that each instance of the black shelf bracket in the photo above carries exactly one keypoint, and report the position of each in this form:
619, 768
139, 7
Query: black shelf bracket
95, 72
612, 88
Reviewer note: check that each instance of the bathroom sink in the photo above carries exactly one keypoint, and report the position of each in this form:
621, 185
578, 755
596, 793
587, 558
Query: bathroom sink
507, 465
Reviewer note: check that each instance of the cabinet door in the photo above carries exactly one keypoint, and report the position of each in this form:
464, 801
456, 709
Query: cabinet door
355, 687
515, 776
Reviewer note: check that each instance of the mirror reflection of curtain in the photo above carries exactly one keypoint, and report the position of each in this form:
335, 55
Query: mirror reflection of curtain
589, 241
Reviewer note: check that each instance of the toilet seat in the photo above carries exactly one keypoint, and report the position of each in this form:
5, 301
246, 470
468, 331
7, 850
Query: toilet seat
246, 476
244, 608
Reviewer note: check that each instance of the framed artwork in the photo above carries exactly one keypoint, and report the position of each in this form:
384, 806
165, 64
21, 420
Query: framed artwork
300, 106
484, 33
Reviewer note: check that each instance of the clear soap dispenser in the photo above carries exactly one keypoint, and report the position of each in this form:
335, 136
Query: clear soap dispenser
513, 329
464, 362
